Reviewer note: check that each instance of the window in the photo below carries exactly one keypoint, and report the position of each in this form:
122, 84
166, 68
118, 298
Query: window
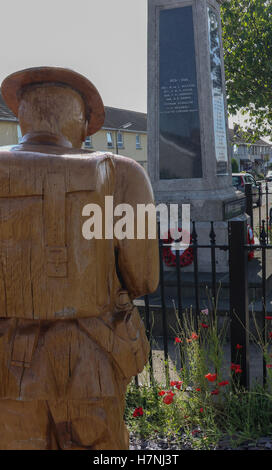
120, 141
109, 139
88, 142
138, 142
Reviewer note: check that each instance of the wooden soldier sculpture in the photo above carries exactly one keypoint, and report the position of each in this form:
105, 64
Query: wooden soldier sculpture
70, 337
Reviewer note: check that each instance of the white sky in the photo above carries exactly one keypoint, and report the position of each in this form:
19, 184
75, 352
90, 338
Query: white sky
105, 40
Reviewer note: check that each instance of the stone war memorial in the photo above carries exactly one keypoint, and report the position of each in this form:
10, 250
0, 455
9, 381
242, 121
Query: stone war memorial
71, 339
188, 151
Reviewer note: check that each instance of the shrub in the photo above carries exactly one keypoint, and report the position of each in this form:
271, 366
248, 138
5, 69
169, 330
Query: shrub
234, 165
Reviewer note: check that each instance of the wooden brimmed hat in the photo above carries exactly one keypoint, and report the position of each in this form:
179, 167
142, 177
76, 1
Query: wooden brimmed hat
13, 85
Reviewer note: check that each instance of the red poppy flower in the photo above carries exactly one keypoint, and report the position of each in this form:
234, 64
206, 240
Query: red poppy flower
238, 346
269, 366
161, 393
194, 336
168, 399
222, 384
169, 392
198, 389
211, 377
236, 367
204, 325
201, 410
268, 318
215, 392
176, 383
178, 340
138, 412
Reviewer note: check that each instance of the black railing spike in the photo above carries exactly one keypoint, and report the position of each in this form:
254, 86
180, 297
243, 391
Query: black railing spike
159, 229
263, 233
212, 234
194, 233
249, 202
266, 211
239, 312
260, 205
263, 241
213, 266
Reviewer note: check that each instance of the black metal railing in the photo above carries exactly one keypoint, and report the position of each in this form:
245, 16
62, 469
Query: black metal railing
238, 248
260, 198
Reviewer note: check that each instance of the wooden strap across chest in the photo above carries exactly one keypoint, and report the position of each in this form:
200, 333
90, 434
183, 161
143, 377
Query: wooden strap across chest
55, 224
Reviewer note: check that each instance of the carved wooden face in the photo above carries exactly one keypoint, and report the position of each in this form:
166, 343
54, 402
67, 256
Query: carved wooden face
55, 109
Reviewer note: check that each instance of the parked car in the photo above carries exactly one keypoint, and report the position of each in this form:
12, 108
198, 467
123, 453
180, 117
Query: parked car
268, 176
240, 179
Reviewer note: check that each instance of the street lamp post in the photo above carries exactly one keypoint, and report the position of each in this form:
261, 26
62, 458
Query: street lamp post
124, 126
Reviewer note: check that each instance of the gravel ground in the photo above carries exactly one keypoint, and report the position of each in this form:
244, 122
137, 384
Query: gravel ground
161, 443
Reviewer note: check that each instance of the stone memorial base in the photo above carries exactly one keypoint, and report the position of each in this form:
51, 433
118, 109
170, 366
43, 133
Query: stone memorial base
218, 207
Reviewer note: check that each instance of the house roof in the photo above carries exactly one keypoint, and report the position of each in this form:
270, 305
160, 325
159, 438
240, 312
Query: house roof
5, 113
116, 118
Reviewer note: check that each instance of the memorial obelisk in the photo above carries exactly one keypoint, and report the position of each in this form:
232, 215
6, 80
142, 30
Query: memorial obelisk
188, 149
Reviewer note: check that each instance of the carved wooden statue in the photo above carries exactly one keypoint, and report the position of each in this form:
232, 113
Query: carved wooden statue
70, 338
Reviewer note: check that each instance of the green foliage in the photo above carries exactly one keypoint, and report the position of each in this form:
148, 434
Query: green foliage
247, 40
249, 414
207, 402
234, 165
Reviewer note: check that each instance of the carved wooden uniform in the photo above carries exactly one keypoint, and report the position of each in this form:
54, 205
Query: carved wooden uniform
70, 338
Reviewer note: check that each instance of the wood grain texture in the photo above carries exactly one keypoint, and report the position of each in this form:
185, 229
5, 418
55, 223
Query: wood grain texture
15, 84
70, 338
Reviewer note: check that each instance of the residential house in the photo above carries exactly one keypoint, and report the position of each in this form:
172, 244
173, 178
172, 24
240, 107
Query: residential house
124, 132
9, 129
250, 156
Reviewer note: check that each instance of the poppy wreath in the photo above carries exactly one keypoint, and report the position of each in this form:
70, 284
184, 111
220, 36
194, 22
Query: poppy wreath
169, 255
250, 241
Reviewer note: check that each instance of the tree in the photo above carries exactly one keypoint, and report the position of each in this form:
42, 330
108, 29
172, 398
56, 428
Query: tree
234, 165
247, 40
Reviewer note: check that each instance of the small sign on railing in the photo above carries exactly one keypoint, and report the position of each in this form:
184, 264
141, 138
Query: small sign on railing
234, 208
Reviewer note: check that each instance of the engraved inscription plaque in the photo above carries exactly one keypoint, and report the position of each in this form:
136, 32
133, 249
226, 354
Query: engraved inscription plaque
220, 136
179, 125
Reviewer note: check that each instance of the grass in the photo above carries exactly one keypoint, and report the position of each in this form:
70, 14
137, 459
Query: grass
205, 405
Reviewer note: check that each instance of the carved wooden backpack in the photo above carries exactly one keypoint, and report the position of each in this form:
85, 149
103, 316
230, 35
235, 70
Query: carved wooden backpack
48, 270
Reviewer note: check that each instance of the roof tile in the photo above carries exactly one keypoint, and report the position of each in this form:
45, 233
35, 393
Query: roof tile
5, 113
